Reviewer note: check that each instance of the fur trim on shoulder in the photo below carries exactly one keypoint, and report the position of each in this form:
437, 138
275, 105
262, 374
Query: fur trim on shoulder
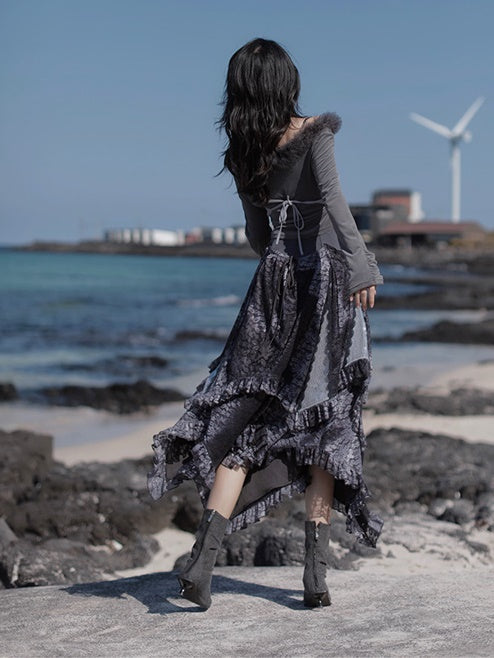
295, 147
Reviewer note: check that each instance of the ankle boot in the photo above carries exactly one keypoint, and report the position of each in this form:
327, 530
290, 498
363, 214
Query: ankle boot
195, 578
316, 592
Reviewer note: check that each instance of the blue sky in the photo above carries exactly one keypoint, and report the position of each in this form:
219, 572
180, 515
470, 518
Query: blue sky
108, 107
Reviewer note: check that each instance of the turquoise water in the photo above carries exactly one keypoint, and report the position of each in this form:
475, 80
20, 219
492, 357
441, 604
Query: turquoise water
92, 318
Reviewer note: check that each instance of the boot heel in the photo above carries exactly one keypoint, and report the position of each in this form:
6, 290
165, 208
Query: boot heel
190, 591
316, 600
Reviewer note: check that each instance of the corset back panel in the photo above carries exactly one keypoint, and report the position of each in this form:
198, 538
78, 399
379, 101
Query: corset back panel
290, 245
298, 184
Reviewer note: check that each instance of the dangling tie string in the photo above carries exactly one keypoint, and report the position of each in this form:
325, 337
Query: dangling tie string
298, 220
283, 215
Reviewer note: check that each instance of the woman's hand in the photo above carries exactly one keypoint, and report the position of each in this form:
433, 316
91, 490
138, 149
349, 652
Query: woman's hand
364, 297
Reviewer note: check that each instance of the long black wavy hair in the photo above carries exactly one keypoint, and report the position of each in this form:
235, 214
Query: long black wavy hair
260, 98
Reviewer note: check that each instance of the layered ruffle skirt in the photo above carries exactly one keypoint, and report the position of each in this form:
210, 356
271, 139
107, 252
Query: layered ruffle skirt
286, 392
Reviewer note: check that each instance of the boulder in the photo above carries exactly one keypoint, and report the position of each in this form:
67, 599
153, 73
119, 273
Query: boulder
121, 398
64, 561
447, 331
459, 402
8, 392
410, 465
68, 524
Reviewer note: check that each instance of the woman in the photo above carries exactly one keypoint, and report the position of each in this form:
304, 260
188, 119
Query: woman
280, 411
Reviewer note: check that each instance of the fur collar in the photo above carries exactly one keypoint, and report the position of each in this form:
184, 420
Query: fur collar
295, 147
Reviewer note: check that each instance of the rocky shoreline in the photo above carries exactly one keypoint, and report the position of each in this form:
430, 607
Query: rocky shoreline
144, 397
141, 395
201, 250
61, 524
118, 398
458, 402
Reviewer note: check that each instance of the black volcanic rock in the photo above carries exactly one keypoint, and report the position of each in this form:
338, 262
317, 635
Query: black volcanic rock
8, 392
64, 561
144, 361
25, 461
408, 465
70, 524
459, 402
121, 398
195, 334
447, 331
95, 503
120, 363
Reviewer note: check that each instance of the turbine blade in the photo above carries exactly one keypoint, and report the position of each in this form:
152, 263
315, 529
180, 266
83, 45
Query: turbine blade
432, 125
468, 116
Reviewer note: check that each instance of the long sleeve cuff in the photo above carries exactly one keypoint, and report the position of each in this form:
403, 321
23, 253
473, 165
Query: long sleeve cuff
362, 264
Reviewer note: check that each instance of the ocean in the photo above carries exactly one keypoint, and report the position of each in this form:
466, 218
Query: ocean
95, 319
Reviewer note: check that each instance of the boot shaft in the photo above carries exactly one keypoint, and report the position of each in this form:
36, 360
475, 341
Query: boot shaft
317, 535
209, 537
316, 556
195, 578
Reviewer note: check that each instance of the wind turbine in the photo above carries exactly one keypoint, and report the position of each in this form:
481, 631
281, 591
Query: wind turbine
455, 135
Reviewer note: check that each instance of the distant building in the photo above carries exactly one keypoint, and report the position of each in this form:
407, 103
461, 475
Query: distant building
389, 205
240, 236
229, 235
428, 233
404, 204
216, 235
145, 236
194, 235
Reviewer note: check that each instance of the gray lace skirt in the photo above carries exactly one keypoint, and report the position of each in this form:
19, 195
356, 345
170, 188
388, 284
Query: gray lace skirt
286, 392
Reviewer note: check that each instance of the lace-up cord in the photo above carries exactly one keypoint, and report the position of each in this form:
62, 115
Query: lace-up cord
298, 219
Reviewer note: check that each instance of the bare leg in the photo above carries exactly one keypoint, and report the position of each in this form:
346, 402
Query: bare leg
226, 489
319, 495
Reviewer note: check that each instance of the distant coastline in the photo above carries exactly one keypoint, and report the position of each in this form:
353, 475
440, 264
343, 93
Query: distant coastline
208, 250
478, 259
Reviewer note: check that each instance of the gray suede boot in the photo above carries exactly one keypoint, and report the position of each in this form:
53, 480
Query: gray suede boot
316, 592
195, 578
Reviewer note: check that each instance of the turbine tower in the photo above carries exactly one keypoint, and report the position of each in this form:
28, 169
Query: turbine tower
455, 135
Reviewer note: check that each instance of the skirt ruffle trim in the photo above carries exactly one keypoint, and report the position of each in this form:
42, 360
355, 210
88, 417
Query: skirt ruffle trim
246, 386
354, 377
258, 445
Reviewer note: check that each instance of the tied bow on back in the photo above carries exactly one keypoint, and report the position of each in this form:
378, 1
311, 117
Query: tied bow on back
298, 218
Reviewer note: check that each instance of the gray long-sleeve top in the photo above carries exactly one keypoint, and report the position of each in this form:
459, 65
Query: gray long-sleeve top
305, 171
